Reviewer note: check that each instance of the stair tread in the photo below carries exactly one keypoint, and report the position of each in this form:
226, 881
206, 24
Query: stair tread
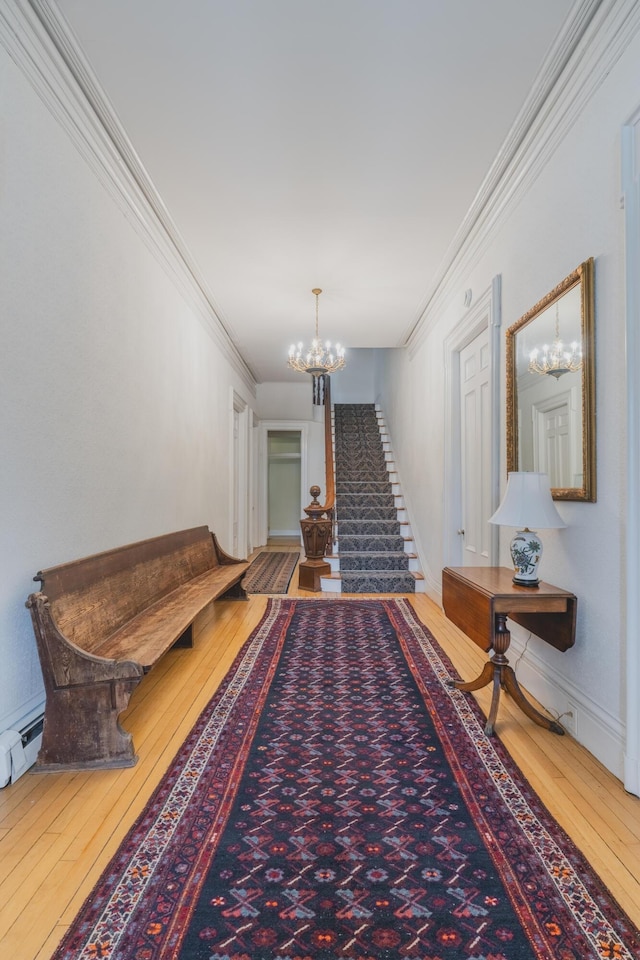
380, 574
374, 554
372, 546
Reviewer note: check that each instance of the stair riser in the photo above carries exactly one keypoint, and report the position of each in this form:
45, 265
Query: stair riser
368, 544
352, 459
368, 528
370, 583
362, 472
368, 514
376, 561
361, 487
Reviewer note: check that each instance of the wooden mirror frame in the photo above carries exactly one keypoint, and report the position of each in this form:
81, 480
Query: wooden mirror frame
584, 277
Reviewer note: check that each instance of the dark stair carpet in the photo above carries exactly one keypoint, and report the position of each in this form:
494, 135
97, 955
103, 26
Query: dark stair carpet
371, 547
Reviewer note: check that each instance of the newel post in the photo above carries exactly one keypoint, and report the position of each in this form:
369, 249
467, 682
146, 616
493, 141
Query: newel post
316, 534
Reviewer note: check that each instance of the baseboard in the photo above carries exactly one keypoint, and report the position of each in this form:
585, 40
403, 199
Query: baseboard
632, 775
18, 752
599, 731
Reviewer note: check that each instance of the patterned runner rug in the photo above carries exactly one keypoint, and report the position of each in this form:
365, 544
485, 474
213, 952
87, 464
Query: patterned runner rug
337, 800
271, 571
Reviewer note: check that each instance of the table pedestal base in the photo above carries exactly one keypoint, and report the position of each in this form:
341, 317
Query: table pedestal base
498, 671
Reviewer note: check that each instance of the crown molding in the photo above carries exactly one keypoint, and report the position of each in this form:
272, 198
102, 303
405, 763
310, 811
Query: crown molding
593, 38
40, 42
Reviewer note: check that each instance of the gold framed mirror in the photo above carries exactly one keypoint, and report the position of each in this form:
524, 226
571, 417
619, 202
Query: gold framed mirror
551, 420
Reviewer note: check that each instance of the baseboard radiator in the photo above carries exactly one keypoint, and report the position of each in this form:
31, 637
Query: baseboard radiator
19, 750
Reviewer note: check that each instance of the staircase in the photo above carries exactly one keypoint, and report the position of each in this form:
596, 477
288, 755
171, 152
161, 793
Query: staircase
375, 550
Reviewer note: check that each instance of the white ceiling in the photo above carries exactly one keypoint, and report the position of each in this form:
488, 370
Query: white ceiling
298, 143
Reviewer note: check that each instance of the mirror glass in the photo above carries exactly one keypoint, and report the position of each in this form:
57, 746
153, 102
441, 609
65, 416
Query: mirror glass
550, 388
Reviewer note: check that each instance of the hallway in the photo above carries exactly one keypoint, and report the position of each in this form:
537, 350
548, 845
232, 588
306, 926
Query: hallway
59, 831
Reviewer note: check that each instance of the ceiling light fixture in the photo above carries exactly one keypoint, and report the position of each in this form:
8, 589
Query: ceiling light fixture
319, 358
556, 360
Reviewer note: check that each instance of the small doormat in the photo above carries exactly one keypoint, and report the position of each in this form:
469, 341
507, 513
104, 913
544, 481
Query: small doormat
271, 571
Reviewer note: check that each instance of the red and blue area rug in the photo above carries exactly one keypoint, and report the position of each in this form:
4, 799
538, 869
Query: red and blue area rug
337, 799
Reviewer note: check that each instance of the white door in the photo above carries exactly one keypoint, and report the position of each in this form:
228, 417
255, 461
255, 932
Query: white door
553, 447
475, 451
556, 423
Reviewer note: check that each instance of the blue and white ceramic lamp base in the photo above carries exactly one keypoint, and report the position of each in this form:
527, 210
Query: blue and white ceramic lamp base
526, 550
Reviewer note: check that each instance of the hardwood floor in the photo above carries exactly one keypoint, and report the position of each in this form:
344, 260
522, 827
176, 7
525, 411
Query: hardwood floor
58, 831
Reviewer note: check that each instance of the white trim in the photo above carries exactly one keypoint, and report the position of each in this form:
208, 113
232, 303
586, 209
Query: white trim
594, 37
40, 42
589, 723
239, 476
254, 459
290, 426
485, 313
631, 195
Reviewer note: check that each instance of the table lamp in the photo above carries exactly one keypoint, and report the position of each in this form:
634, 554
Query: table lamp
527, 505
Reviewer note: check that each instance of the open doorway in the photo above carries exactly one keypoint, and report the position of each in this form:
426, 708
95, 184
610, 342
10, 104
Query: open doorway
284, 507
282, 465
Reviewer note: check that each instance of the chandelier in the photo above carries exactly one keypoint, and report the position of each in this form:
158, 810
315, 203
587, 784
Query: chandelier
557, 359
319, 358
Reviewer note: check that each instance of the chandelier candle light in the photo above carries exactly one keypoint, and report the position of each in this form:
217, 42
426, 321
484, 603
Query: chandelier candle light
527, 503
319, 358
556, 360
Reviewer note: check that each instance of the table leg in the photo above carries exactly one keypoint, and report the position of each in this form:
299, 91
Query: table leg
512, 687
485, 677
499, 671
491, 673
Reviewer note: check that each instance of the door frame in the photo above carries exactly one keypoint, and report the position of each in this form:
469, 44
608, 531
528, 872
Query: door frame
484, 314
239, 475
630, 143
287, 426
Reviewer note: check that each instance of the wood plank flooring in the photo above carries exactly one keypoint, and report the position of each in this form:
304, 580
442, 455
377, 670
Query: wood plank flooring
58, 831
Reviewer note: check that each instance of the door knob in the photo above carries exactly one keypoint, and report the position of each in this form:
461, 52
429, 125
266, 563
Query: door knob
461, 533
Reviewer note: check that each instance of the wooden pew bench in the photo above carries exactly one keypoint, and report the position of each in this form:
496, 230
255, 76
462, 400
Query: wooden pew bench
102, 622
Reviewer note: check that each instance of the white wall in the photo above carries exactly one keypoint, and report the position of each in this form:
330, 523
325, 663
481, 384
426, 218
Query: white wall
115, 397
285, 401
356, 383
568, 211
281, 403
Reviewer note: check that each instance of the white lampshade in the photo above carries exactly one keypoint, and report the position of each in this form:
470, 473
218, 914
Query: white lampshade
527, 502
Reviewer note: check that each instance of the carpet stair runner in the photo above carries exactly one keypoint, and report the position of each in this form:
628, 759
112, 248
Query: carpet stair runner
374, 552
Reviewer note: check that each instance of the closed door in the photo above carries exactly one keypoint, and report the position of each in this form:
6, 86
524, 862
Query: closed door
556, 446
475, 451
556, 425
